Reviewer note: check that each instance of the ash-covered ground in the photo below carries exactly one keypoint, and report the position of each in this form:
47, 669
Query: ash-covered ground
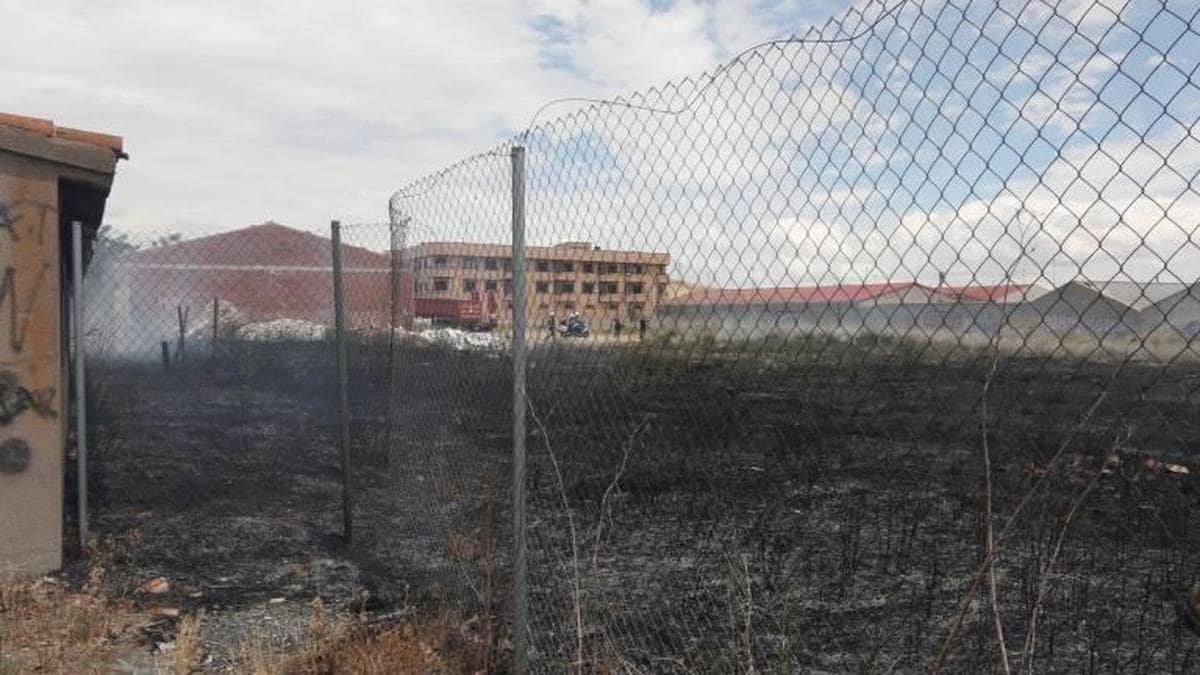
793, 506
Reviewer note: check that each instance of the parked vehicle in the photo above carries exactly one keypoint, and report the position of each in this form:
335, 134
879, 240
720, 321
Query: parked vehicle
573, 326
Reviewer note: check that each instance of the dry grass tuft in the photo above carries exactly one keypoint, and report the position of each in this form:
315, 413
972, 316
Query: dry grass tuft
438, 645
462, 547
186, 657
46, 628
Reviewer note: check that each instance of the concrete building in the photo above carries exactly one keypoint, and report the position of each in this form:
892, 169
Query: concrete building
471, 284
49, 177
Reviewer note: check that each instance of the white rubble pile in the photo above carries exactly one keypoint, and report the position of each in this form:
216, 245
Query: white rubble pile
461, 340
281, 330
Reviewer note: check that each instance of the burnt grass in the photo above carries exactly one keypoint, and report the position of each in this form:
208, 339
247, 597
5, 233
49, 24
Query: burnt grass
790, 506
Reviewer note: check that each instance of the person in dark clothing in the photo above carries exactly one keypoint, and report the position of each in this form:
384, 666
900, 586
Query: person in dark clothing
642, 328
617, 327
552, 326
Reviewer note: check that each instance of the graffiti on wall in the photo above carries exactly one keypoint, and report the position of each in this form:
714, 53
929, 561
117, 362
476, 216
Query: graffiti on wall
24, 276
15, 399
21, 286
15, 455
8, 220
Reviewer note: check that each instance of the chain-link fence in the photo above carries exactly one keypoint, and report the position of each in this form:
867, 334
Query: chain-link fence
872, 350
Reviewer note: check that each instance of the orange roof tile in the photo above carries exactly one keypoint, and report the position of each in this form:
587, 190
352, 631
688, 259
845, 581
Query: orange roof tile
48, 129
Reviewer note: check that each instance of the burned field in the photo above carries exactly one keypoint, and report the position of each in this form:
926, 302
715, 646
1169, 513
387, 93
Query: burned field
792, 506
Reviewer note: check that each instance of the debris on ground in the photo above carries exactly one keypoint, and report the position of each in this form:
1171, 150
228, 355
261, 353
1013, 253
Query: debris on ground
282, 330
461, 340
155, 586
1155, 464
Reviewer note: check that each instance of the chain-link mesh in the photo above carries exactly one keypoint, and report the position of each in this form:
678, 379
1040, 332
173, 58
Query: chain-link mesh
860, 308
872, 350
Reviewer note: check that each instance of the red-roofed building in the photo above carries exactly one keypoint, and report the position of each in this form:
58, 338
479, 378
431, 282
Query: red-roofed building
840, 309
844, 309
878, 293
258, 273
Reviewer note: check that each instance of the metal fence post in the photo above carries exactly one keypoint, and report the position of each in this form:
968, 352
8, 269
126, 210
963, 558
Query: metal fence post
80, 382
215, 326
396, 270
339, 314
520, 589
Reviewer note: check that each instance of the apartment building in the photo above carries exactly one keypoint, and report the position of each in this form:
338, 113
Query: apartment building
471, 284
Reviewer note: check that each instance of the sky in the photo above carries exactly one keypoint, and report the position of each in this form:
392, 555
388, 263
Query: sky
1028, 141
1024, 142
237, 112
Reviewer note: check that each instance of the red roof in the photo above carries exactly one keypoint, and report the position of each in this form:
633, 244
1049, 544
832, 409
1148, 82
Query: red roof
267, 245
797, 295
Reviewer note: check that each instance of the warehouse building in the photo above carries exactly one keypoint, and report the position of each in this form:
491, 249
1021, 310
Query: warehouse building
254, 274
1178, 313
1079, 308
1097, 308
842, 310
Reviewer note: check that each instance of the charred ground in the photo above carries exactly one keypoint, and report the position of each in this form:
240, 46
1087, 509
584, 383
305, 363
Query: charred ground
804, 505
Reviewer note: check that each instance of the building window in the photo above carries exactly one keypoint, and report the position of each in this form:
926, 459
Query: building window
610, 268
441, 261
441, 284
564, 266
589, 287
491, 264
633, 288
469, 285
564, 287
490, 285
609, 288
508, 286
470, 263
589, 268
631, 268
542, 287
541, 265
507, 264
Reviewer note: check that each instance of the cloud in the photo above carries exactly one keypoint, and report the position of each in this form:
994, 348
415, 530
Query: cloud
986, 141
237, 112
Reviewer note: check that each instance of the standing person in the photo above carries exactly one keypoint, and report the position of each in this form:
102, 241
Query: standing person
552, 325
642, 328
617, 327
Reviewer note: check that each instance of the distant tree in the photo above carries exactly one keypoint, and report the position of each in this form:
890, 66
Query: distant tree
166, 240
110, 241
